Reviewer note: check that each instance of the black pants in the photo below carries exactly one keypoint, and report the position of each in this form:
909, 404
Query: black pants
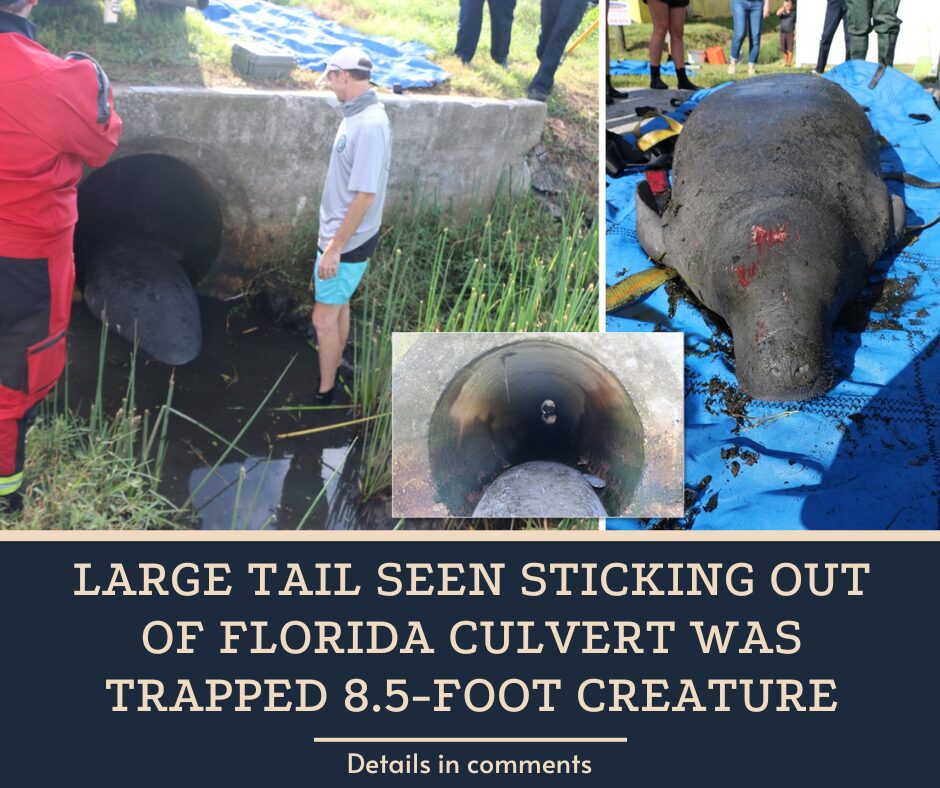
560, 18
12, 457
835, 13
471, 21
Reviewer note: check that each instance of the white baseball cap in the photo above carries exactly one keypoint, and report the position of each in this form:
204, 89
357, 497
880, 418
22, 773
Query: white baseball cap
346, 59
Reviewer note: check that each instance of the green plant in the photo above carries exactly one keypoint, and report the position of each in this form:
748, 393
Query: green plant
512, 268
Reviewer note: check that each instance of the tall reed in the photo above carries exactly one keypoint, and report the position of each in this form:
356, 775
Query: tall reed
513, 268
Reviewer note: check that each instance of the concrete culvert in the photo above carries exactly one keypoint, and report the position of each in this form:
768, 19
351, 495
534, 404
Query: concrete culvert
154, 196
590, 417
535, 401
150, 228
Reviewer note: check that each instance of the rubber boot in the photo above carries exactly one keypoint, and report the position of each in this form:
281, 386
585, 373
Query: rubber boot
684, 82
613, 93
656, 82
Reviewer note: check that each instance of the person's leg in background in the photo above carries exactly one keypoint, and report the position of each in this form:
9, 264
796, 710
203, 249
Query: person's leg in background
469, 24
501, 16
845, 29
835, 13
755, 16
859, 26
552, 43
548, 12
612, 92
739, 15
887, 25
677, 46
659, 12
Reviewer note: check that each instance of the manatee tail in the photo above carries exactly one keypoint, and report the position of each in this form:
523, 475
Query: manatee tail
146, 296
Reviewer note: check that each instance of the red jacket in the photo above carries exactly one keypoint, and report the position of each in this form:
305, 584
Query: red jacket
55, 116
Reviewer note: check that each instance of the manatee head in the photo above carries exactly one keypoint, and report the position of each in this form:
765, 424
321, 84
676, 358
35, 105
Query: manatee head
793, 270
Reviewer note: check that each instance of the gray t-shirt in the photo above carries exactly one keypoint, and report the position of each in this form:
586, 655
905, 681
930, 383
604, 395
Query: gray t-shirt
359, 162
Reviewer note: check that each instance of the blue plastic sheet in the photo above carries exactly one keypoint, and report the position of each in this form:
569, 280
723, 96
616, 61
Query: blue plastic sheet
313, 39
642, 67
866, 454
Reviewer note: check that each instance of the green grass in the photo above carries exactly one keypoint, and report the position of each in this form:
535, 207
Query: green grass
144, 49
97, 472
512, 269
103, 471
632, 43
182, 49
138, 42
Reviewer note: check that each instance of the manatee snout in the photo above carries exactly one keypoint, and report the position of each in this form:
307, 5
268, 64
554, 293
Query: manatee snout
784, 367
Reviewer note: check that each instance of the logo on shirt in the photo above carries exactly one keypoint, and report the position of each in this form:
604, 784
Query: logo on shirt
341, 144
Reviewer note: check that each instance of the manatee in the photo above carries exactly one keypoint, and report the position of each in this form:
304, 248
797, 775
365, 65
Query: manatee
139, 286
778, 213
540, 489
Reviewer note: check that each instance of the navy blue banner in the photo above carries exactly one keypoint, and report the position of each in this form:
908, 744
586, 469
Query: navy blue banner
687, 662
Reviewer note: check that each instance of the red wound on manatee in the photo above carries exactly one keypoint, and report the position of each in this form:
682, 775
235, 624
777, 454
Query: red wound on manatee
763, 238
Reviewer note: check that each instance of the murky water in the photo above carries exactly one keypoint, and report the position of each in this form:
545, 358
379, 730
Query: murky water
242, 356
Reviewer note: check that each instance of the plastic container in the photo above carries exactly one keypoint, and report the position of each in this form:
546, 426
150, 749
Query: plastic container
261, 61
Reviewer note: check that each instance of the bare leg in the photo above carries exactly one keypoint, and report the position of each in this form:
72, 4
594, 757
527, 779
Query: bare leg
659, 12
343, 330
676, 31
326, 320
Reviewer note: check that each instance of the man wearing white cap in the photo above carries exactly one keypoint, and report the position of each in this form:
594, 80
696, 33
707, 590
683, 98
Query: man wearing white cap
351, 205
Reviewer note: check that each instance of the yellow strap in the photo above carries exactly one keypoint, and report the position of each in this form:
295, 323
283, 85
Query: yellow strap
646, 141
10, 484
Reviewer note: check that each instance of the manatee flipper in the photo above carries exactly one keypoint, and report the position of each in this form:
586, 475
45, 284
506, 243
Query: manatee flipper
141, 289
897, 216
649, 224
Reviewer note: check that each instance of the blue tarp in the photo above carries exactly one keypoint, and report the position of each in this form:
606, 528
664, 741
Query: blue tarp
642, 68
867, 454
313, 39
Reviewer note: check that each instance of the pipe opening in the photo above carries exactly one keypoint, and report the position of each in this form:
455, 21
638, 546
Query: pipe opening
533, 400
156, 197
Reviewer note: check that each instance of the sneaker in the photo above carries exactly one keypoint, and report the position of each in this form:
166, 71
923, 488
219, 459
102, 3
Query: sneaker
751, 70
731, 66
534, 94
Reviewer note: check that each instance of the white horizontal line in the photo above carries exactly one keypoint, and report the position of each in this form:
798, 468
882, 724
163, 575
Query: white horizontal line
462, 740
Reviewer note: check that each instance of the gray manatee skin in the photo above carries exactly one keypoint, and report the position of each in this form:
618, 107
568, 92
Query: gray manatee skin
778, 213
131, 282
540, 489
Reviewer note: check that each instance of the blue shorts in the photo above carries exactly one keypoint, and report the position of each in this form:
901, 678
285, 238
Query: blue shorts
338, 289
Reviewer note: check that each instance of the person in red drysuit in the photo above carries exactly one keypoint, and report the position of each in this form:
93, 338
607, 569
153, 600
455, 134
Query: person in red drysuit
55, 115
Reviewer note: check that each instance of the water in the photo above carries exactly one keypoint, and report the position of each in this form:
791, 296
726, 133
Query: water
242, 356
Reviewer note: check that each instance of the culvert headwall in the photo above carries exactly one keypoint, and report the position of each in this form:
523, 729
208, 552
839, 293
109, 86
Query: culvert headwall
263, 155
470, 407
